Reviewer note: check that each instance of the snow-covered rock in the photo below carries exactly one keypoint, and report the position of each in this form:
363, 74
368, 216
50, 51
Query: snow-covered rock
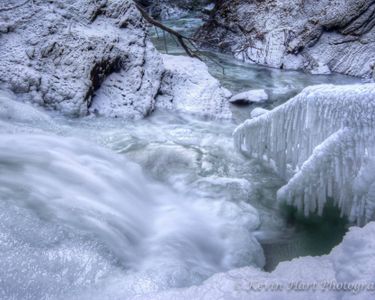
173, 9
188, 87
322, 142
346, 273
249, 97
318, 36
258, 111
82, 57
77, 56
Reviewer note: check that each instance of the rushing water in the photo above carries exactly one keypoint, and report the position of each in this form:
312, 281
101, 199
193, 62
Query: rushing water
78, 216
98, 208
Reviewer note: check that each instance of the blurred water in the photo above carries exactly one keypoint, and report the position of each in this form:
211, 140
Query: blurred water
77, 216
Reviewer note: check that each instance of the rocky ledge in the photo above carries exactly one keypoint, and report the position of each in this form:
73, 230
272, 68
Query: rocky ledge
316, 36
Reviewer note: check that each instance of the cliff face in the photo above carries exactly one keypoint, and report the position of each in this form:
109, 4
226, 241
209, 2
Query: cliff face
317, 36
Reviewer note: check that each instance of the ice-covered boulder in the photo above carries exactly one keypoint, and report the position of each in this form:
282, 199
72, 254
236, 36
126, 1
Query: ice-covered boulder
249, 97
318, 36
77, 56
188, 87
322, 142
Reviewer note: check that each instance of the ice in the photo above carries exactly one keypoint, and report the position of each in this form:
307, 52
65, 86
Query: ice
258, 111
320, 142
248, 97
346, 273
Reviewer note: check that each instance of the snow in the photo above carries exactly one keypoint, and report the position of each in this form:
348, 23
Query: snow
319, 142
13, 111
248, 97
75, 56
321, 69
95, 57
346, 273
258, 111
188, 87
315, 36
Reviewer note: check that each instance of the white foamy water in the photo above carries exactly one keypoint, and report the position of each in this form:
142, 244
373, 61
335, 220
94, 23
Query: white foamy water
104, 209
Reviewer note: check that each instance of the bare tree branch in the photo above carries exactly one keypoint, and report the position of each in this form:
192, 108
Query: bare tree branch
14, 7
180, 38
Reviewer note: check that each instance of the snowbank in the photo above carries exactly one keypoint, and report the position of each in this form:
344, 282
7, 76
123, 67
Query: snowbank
321, 142
346, 273
188, 87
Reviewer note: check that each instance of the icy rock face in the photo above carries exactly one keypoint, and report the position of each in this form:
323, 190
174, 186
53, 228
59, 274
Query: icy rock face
80, 56
318, 36
343, 274
172, 9
323, 143
187, 86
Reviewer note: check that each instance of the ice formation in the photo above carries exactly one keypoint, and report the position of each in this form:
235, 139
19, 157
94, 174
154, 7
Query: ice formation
322, 143
258, 111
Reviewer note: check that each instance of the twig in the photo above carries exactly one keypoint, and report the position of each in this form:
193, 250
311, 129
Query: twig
14, 7
165, 43
180, 38
209, 58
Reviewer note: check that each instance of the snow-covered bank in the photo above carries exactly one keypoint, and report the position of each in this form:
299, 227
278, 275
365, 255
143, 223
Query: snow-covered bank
82, 57
318, 36
346, 273
322, 143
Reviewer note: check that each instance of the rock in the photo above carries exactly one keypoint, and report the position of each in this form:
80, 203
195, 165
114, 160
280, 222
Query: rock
94, 57
173, 9
321, 69
249, 97
77, 56
188, 87
316, 36
258, 111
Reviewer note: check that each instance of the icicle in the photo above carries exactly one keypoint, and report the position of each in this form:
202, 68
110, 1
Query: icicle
323, 134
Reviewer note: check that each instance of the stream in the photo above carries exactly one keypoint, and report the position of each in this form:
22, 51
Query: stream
99, 208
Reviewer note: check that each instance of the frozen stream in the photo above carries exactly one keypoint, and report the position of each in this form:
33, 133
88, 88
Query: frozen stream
106, 209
